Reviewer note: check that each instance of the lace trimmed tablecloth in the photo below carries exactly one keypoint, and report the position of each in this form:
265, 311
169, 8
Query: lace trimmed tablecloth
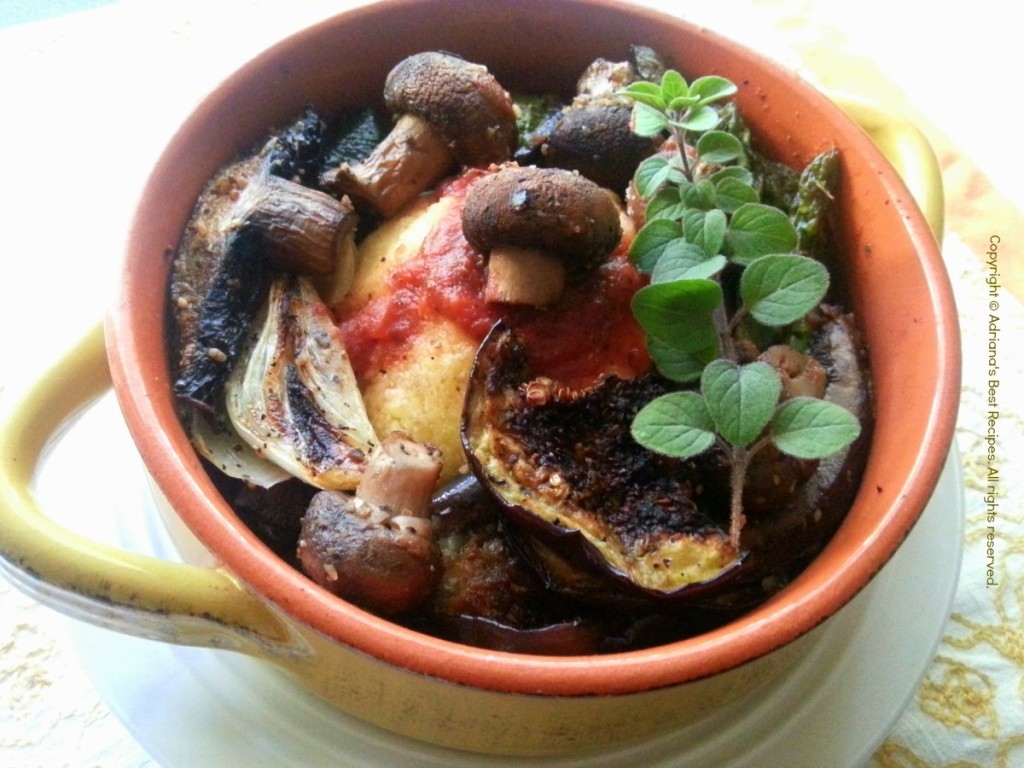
147, 62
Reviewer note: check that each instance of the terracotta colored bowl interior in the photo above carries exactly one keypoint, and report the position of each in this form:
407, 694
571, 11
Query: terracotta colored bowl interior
894, 277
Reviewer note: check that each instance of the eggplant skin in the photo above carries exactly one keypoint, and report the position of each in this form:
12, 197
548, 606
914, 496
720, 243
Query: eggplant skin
601, 517
211, 338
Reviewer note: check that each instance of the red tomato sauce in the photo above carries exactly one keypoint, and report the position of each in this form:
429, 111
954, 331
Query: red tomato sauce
589, 332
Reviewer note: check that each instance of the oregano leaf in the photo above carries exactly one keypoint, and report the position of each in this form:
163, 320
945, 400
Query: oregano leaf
680, 312
700, 195
666, 204
652, 173
757, 230
737, 172
700, 118
676, 424
677, 258
715, 224
681, 103
645, 92
681, 260
673, 85
779, 289
719, 147
693, 226
677, 364
650, 241
648, 121
809, 428
740, 398
731, 192
712, 88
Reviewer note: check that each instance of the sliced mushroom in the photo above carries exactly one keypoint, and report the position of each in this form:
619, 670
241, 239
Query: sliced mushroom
300, 229
294, 398
376, 547
538, 225
448, 111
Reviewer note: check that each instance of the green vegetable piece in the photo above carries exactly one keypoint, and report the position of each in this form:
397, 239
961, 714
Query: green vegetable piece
741, 399
808, 428
815, 198
680, 313
780, 289
677, 425
757, 230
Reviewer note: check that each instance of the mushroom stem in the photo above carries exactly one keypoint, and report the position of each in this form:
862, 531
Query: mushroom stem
524, 276
410, 159
302, 229
400, 476
801, 375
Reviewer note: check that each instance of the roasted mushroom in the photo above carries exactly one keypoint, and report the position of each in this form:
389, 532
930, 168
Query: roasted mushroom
376, 548
448, 111
593, 135
538, 225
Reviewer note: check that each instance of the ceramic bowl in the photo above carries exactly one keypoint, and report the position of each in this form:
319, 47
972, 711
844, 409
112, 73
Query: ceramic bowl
236, 594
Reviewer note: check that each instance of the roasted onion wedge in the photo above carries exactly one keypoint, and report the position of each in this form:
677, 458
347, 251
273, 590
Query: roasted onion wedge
293, 396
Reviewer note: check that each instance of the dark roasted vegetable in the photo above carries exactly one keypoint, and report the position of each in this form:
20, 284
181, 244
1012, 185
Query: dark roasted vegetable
601, 515
604, 519
231, 249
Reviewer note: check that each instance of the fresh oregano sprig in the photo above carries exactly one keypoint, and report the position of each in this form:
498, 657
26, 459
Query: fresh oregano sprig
703, 213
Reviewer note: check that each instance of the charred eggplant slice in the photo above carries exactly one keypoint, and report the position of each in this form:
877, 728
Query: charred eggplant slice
604, 519
601, 516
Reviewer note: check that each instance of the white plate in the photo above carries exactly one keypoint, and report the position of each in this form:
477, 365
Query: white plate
194, 706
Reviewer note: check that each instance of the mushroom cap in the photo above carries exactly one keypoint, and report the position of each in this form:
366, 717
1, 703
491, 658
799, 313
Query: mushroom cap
462, 101
550, 209
597, 139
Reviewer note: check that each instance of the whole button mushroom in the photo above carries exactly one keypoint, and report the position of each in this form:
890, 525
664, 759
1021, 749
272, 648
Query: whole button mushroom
538, 225
449, 111
376, 547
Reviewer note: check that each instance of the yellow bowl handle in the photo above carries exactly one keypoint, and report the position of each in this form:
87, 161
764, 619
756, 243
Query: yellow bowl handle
909, 151
124, 591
